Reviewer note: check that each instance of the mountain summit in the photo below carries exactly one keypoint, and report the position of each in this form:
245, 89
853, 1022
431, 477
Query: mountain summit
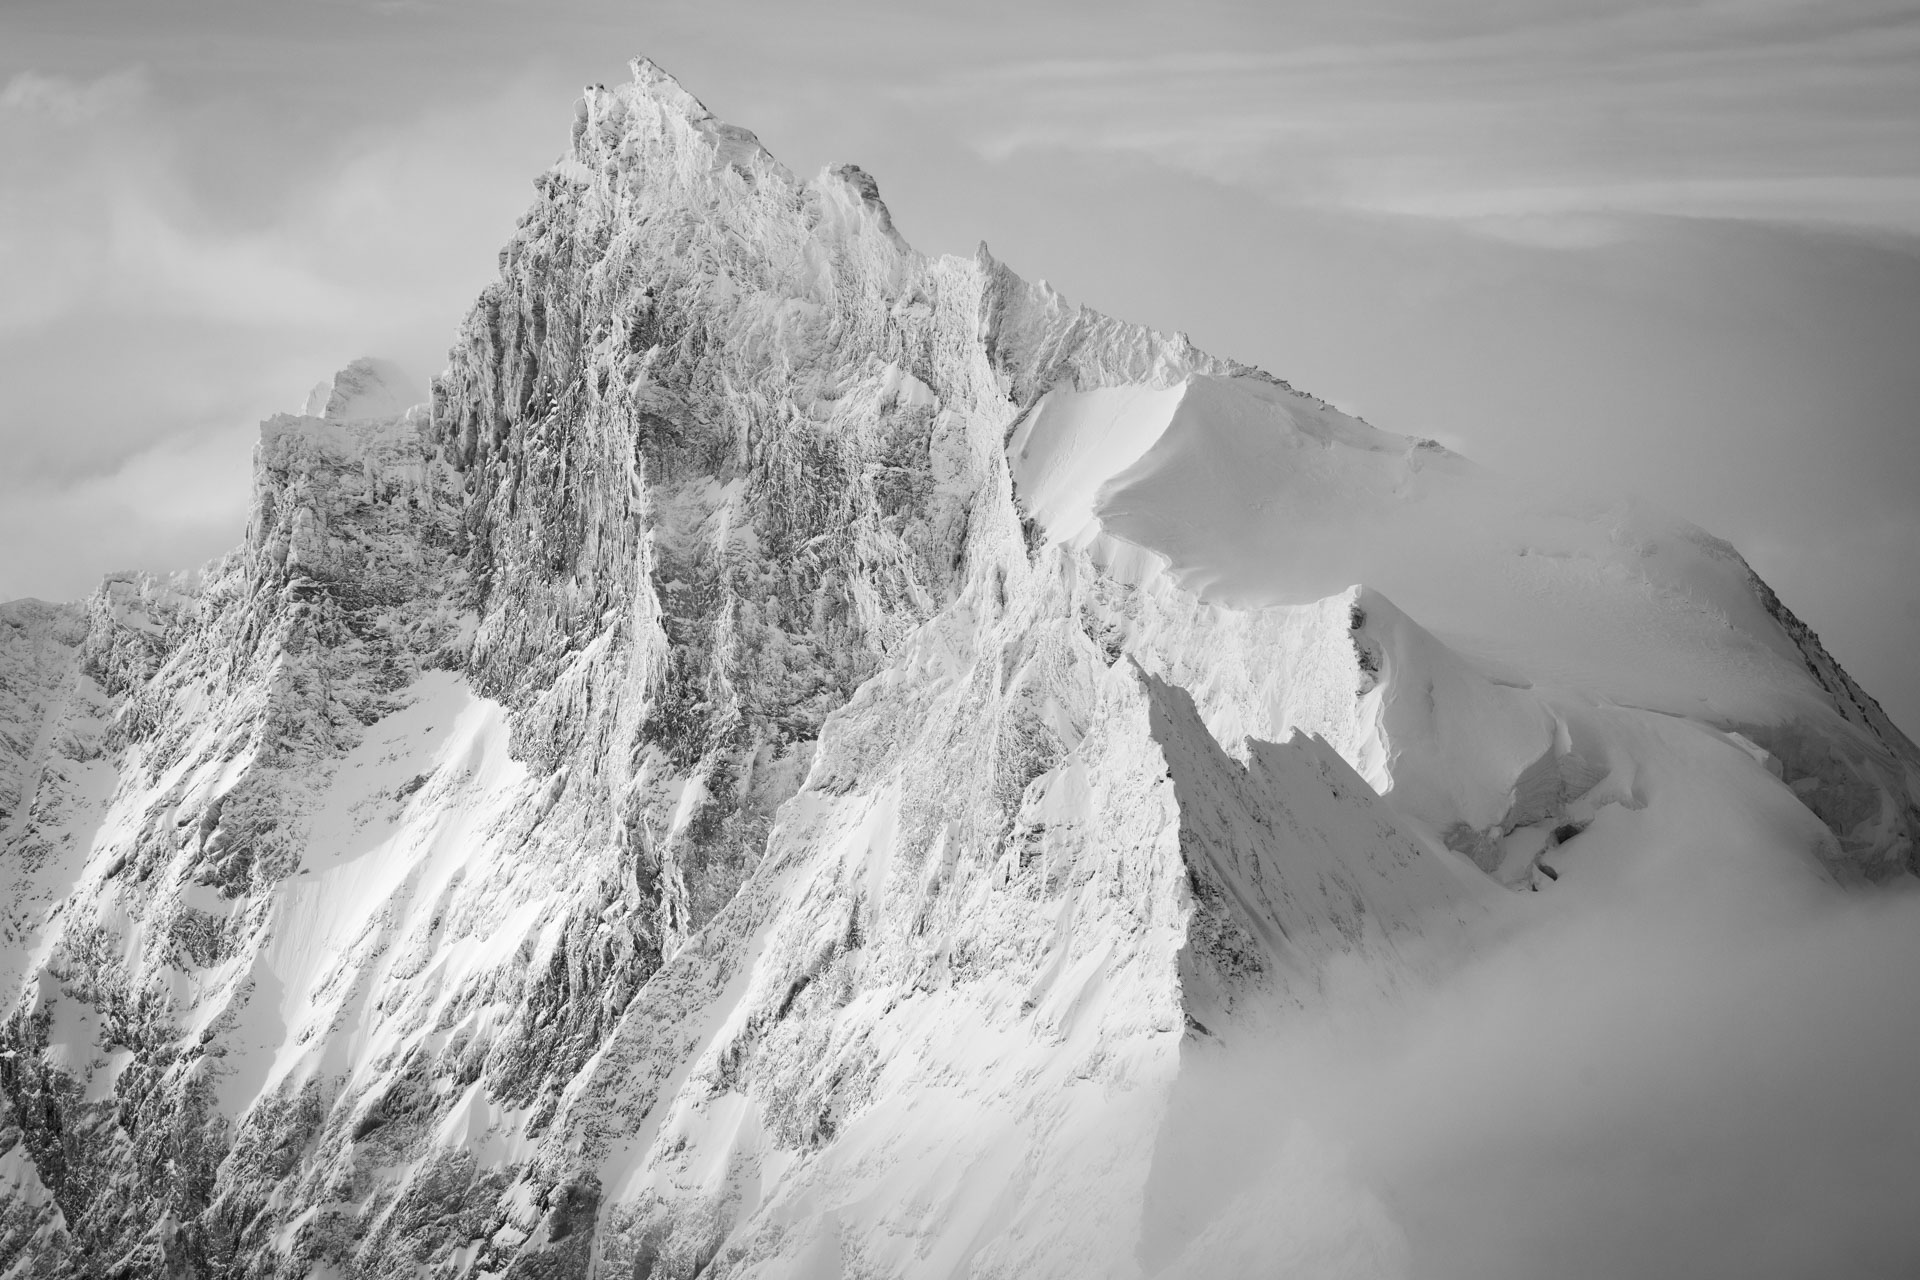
789, 760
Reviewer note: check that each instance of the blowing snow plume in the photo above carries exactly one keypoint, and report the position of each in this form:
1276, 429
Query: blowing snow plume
808, 759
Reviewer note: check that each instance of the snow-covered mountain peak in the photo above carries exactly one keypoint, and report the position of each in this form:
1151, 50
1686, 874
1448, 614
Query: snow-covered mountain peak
615, 127
656, 83
789, 762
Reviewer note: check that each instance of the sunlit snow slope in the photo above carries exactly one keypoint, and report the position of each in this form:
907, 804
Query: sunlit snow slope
792, 762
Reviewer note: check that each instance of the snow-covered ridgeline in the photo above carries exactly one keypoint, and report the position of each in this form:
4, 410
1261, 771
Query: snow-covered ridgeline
1537, 608
199, 720
776, 768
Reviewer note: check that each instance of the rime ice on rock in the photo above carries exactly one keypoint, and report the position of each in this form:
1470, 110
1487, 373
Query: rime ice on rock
783, 758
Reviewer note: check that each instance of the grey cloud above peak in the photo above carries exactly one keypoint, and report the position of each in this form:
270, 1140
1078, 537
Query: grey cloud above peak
69, 100
1781, 111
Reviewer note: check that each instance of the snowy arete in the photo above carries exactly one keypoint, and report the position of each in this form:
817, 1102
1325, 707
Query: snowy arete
783, 762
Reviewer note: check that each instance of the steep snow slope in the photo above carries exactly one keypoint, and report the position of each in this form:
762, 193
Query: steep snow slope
1255, 496
787, 763
1249, 494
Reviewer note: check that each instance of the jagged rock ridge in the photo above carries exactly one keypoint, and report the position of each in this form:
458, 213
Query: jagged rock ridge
771, 769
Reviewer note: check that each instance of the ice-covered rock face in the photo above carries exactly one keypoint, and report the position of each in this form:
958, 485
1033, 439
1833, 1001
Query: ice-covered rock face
784, 760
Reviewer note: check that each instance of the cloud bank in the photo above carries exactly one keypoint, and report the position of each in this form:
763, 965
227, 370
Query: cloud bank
1706, 1080
1481, 111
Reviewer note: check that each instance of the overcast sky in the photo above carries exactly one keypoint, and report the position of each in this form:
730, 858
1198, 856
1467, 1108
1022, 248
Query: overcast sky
1671, 247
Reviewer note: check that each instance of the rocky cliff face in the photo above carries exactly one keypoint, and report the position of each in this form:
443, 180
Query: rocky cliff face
755, 776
